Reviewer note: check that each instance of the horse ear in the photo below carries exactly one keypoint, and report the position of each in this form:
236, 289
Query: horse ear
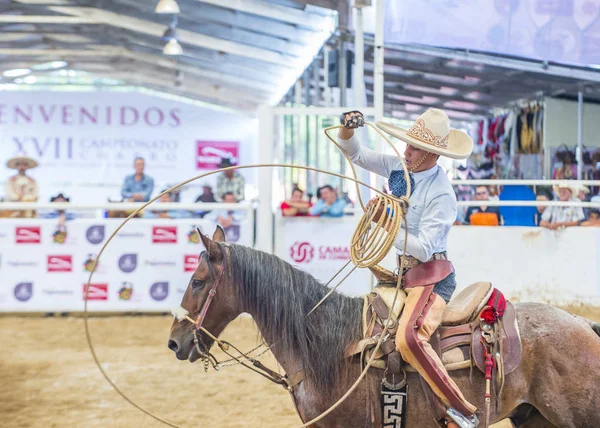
212, 248
219, 235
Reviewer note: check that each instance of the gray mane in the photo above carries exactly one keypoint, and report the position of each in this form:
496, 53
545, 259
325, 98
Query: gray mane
279, 297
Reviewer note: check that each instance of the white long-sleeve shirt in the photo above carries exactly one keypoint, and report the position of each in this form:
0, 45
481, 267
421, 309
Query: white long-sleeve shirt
433, 206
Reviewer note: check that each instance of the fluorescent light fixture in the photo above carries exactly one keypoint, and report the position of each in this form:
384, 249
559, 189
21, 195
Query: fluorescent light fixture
52, 65
16, 72
172, 48
29, 79
167, 6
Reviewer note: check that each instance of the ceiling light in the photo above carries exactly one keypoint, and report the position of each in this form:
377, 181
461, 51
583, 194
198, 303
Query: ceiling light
16, 72
167, 6
29, 80
172, 48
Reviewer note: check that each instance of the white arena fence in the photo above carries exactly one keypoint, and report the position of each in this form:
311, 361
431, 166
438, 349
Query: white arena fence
147, 266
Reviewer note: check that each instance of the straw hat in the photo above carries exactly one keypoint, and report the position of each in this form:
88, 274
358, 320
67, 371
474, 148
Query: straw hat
12, 162
574, 189
432, 133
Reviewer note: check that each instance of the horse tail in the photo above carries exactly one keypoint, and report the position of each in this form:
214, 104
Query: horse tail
594, 325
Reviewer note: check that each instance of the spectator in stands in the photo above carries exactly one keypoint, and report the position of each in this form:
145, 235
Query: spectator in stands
230, 181
541, 196
583, 194
228, 219
207, 196
328, 204
556, 217
483, 215
594, 219
166, 198
137, 187
21, 187
296, 206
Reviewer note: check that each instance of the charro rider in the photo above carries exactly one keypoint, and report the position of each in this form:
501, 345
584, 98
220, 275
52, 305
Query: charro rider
431, 213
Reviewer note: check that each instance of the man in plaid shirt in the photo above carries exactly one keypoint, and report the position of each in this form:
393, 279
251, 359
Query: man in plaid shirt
230, 181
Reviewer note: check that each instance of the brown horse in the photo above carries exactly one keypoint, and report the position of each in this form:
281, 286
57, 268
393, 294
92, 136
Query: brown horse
557, 383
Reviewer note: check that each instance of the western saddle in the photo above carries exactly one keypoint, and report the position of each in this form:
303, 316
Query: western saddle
462, 341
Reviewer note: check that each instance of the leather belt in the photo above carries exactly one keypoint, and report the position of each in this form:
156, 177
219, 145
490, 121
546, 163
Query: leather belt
411, 262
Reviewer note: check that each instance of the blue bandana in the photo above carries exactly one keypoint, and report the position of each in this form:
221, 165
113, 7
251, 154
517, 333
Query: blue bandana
397, 183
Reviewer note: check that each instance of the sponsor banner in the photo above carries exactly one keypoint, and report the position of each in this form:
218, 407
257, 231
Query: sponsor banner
85, 143
321, 247
147, 266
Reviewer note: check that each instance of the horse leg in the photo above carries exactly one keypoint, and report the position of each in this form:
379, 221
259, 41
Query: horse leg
564, 366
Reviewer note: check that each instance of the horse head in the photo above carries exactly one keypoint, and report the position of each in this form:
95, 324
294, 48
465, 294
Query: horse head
210, 299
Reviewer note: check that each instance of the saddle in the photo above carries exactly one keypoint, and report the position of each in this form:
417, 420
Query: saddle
458, 340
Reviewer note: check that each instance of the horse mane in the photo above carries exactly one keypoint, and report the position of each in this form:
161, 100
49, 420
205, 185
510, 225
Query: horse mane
279, 297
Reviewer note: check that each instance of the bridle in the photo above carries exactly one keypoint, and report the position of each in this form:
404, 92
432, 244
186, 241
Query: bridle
243, 358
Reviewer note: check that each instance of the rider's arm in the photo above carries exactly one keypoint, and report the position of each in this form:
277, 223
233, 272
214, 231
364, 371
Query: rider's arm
369, 159
436, 221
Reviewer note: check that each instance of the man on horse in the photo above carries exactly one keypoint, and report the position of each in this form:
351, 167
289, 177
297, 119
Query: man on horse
432, 212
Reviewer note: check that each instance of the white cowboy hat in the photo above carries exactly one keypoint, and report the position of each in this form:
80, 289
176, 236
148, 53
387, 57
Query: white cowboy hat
12, 162
432, 133
574, 189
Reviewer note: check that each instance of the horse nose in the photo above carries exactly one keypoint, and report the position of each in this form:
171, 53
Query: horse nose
173, 346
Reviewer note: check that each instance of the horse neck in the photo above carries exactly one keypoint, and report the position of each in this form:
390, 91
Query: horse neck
279, 297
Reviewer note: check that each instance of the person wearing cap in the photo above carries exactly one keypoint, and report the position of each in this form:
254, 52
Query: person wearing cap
432, 211
230, 181
557, 217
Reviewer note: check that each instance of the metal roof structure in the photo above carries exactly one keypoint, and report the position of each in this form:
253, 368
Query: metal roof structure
470, 84
244, 53
236, 53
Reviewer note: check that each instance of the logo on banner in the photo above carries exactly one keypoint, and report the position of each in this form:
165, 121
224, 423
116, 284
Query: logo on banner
60, 235
125, 291
128, 262
302, 252
159, 291
190, 263
193, 236
23, 291
28, 235
60, 263
210, 153
19, 263
89, 263
164, 234
96, 291
95, 234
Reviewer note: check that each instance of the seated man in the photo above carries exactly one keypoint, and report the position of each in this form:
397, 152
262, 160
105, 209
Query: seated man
228, 219
295, 206
483, 215
557, 217
328, 204
166, 198
137, 187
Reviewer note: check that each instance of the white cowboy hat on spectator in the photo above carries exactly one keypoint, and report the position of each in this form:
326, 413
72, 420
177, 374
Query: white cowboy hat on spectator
432, 133
30, 162
583, 189
574, 189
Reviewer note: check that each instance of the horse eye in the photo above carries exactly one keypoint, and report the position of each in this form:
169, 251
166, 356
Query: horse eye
197, 284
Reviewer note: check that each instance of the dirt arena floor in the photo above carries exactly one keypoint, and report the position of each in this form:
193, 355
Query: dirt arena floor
48, 377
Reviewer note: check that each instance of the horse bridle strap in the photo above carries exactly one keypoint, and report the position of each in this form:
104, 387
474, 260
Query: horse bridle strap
211, 295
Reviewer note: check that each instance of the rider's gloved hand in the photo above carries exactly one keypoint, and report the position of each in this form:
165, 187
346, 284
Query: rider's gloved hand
352, 119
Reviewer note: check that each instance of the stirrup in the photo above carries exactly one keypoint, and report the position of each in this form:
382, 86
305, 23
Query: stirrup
461, 420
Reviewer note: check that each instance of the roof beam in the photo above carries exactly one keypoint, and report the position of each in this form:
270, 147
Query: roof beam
272, 11
45, 19
185, 36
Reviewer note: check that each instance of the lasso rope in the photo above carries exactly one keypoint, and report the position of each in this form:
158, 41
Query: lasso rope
367, 247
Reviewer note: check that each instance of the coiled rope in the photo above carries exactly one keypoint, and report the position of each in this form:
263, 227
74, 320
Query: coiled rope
369, 245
